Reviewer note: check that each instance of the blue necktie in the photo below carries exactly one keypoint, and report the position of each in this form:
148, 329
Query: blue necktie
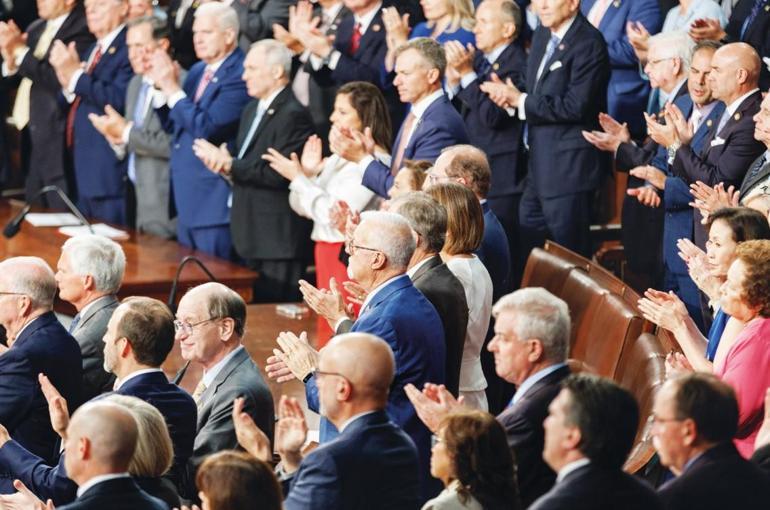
484, 67
74, 323
549, 50
758, 4
252, 129
757, 167
138, 118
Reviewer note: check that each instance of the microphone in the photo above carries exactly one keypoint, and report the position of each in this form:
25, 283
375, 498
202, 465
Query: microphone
12, 227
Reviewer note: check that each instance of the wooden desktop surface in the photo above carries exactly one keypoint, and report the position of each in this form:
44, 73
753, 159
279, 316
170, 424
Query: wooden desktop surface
263, 325
151, 262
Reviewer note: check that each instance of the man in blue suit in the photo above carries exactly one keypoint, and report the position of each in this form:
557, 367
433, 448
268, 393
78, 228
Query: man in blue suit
395, 311
431, 125
89, 86
372, 464
39, 343
490, 127
627, 92
139, 336
567, 77
208, 105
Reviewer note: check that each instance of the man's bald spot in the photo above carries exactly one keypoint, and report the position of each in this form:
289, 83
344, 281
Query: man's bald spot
111, 430
364, 359
742, 56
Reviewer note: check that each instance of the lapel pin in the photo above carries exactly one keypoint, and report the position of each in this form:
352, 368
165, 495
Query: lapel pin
561, 47
270, 111
616, 3
376, 28
111, 51
709, 123
767, 7
495, 66
195, 4
737, 116
215, 79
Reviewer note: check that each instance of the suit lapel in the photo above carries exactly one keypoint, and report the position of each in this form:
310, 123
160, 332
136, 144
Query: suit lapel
539, 44
434, 261
562, 47
734, 119
224, 70
609, 15
109, 52
97, 306
223, 374
708, 126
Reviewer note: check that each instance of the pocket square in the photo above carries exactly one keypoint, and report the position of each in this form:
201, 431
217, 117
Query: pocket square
555, 66
717, 141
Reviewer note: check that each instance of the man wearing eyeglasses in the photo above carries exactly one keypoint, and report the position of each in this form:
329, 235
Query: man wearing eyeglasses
38, 343
210, 326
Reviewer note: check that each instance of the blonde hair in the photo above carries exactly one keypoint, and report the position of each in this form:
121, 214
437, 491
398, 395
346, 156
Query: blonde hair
461, 12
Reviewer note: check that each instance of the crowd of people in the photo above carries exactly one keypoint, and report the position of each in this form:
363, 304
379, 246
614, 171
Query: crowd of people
412, 153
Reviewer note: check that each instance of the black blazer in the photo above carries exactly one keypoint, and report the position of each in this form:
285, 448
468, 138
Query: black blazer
757, 34
262, 223
720, 478
595, 488
523, 424
490, 127
116, 494
446, 294
48, 110
182, 38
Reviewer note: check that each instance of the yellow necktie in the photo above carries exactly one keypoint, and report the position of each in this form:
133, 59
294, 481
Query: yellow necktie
198, 392
21, 105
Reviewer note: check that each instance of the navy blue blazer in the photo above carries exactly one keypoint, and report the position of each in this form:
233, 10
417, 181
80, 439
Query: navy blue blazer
371, 465
627, 92
595, 488
98, 172
48, 481
490, 128
720, 478
757, 34
565, 101
494, 252
440, 126
43, 347
200, 196
403, 317
116, 494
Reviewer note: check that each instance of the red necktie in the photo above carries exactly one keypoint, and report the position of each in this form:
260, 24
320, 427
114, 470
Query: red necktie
76, 102
207, 76
355, 39
406, 132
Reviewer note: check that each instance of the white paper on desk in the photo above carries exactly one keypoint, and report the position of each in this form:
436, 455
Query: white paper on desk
100, 229
52, 219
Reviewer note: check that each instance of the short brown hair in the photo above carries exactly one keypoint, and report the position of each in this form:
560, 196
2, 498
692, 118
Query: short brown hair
755, 255
471, 164
369, 103
233, 480
148, 325
431, 52
418, 170
465, 218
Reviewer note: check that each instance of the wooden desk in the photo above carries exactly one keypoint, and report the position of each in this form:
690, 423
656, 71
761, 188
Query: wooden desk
262, 328
151, 262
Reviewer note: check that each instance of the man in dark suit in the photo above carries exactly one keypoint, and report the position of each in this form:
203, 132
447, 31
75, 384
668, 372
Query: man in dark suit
371, 456
395, 311
38, 112
695, 420
89, 87
537, 366
491, 128
627, 92
434, 279
208, 105
589, 432
101, 439
89, 273
257, 17
181, 15
266, 232
39, 344
210, 326
567, 78
139, 137
759, 171
727, 155
137, 341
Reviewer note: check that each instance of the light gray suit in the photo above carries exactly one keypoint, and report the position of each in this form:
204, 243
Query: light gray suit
152, 147
89, 332
257, 18
240, 377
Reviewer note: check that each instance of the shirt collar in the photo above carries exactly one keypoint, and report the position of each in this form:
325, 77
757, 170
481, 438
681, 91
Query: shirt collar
58, 21
212, 373
354, 418
420, 106
264, 104
26, 326
412, 270
99, 479
120, 382
366, 20
534, 378
733, 107
331, 14
565, 28
572, 466
214, 67
493, 55
676, 90
90, 305
377, 289
108, 39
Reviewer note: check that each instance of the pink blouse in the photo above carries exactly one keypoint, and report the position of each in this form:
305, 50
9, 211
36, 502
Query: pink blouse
747, 369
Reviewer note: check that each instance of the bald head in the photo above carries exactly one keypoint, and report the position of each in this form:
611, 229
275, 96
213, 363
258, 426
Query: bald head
101, 439
31, 277
735, 71
363, 359
467, 165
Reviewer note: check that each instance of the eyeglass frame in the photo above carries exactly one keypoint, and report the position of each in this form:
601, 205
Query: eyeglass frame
353, 247
654, 419
3, 293
317, 373
188, 328
659, 60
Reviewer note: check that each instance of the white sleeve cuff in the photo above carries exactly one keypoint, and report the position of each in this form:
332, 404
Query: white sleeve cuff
365, 162
522, 111
74, 81
510, 111
174, 98
126, 132
18, 55
334, 59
